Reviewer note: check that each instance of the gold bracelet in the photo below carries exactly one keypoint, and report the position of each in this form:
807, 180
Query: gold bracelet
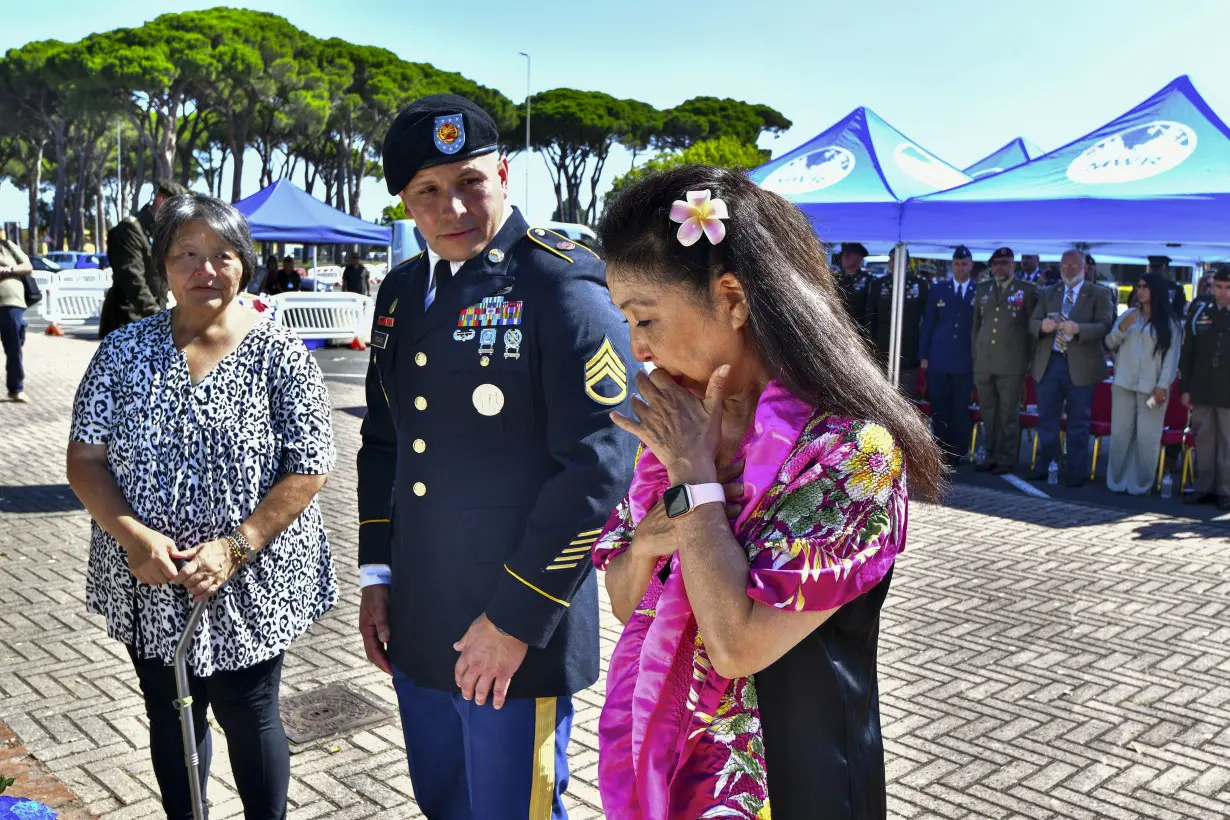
241, 557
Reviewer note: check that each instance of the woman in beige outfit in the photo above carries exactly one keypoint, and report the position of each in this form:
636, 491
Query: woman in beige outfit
1146, 345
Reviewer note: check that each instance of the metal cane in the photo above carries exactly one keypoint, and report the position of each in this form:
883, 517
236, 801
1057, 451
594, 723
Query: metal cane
183, 702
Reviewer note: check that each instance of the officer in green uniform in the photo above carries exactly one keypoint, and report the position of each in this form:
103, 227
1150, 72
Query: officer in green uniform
879, 321
853, 282
1003, 350
488, 467
1204, 386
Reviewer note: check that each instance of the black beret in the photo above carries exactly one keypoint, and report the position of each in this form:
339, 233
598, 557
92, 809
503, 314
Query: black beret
853, 247
961, 252
1159, 260
435, 130
1003, 253
1089, 259
1221, 273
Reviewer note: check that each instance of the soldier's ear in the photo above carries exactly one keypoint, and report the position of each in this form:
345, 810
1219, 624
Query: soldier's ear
405, 201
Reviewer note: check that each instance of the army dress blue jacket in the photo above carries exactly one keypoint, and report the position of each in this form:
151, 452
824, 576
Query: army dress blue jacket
947, 329
489, 463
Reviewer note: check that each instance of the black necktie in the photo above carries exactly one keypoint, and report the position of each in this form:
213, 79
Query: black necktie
441, 274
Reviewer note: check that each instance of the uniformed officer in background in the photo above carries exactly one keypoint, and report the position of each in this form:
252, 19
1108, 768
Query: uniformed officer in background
1178, 296
854, 282
488, 467
945, 352
1204, 386
1003, 350
1030, 270
879, 320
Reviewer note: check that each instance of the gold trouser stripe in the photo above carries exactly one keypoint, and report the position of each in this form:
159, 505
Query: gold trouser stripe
375, 521
542, 787
536, 589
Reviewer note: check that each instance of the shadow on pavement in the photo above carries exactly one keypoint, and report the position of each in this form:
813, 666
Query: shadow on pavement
38, 498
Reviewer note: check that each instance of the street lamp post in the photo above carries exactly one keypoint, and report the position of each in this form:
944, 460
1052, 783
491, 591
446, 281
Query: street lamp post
527, 133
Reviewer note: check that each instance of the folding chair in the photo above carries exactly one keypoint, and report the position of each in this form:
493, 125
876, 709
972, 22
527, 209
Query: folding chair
1176, 429
1099, 422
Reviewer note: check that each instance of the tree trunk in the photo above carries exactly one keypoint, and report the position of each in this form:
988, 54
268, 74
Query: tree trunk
164, 150
138, 180
34, 238
309, 175
237, 147
100, 221
59, 200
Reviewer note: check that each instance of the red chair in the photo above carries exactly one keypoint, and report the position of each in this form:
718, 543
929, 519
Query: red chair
975, 415
1099, 422
1029, 417
922, 394
1176, 430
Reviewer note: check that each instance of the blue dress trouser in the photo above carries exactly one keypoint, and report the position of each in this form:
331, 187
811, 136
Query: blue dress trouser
12, 337
472, 762
950, 420
1054, 392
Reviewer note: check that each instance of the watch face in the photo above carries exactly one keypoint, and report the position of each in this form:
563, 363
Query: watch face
676, 501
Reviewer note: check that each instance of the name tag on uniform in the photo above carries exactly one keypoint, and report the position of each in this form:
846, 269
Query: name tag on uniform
380, 339
940, 303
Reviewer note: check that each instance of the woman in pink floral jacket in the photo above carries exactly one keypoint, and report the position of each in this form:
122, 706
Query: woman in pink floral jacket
752, 555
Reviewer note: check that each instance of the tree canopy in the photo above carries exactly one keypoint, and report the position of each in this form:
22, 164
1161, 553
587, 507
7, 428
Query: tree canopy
189, 92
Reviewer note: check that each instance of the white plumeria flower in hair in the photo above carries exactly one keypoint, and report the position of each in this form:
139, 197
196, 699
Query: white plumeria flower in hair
699, 215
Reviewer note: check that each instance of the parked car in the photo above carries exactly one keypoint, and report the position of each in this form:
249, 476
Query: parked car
78, 259
43, 263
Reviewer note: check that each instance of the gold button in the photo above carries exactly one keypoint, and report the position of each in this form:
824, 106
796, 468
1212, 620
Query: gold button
420, 489
420, 359
992, 341
420, 403
419, 445
484, 361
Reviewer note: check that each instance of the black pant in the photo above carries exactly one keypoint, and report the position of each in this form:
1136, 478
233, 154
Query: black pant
246, 706
12, 337
950, 394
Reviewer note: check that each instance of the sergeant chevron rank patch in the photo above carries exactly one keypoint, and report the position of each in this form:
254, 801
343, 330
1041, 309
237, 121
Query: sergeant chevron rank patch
606, 377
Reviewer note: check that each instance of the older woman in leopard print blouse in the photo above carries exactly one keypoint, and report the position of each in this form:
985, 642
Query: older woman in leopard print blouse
200, 438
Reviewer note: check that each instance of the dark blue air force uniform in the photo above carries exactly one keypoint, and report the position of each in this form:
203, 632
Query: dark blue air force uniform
488, 467
947, 343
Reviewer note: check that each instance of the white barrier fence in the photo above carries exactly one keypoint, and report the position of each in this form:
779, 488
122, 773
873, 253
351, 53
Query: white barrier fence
329, 316
72, 297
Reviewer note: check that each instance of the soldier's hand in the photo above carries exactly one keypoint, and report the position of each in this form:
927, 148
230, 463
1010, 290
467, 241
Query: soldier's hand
923, 363
1186, 400
149, 559
1048, 325
489, 659
374, 625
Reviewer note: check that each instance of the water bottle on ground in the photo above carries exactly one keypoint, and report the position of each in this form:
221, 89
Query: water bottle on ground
1167, 486
980, 455
1052, 473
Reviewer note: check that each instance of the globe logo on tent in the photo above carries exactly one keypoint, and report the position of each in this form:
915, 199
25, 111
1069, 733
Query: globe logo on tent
813, 171
1136, 153
925, 168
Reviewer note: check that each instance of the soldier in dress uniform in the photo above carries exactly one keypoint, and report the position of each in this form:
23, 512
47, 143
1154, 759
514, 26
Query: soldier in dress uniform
1003, 349
1178, 296
1030, 272
879, 321
947, 355
854, 282
488, 467
1204, 386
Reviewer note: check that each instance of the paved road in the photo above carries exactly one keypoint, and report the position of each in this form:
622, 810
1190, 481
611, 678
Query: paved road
1039, 659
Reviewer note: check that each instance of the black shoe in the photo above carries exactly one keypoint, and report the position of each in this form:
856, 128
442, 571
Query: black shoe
1193, 497
1076, 483
1223, 503
1038, 475
985, 467
1001, 469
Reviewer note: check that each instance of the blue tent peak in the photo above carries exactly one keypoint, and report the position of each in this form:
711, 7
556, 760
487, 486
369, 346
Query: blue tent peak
284, 212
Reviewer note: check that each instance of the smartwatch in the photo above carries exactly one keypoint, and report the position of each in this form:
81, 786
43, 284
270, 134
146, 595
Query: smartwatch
683, 498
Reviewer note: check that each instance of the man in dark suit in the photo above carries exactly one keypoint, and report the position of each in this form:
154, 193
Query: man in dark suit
945, 348
488, 467
1069, 322
137, 288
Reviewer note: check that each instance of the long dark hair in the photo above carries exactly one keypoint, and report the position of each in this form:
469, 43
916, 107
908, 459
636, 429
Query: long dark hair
797, 321
1161, 312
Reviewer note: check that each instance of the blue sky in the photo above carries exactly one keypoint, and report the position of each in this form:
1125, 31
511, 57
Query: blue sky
960, 77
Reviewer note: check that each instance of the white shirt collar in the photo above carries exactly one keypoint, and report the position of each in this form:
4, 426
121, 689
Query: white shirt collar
1076, 289
433, 257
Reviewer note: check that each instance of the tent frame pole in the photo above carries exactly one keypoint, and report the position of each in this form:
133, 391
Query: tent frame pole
893, 369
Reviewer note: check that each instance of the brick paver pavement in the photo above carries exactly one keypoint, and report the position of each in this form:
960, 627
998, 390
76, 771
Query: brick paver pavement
1038, 659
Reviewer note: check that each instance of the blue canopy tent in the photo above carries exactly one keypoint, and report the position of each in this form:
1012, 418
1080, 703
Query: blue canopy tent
851, 179
1155, 180
1017, 152
285, 213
